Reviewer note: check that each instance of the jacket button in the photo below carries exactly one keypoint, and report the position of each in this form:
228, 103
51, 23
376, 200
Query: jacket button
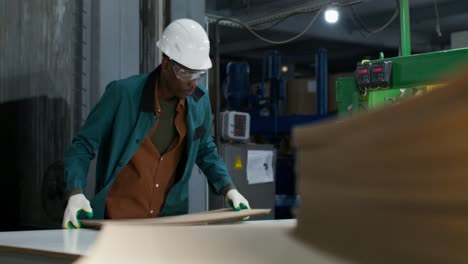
138, 141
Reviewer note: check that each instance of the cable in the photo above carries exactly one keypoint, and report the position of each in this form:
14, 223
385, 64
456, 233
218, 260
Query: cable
277, 22
358, 17
395, 15
269, 40
355, 16
364, 34
281, 19
347, 3
281, 16
312, 6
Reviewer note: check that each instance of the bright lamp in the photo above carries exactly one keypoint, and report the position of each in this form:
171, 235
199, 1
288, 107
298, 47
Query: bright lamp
331, 15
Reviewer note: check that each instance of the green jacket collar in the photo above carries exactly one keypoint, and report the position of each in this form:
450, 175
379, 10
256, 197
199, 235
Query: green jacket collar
147, 101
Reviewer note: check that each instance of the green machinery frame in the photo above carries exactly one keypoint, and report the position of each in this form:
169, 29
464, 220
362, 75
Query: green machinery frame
409, 74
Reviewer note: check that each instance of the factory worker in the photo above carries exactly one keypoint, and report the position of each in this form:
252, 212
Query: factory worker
148, 131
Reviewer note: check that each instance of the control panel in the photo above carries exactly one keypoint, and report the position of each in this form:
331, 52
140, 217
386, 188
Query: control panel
381, 73
362, 75
235, 126
373, 75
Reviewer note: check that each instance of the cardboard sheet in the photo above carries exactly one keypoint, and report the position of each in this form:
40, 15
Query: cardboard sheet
214, 216
389, 186
209, 244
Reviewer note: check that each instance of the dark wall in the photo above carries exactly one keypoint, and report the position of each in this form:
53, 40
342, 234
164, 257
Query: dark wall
34, 133
40, 109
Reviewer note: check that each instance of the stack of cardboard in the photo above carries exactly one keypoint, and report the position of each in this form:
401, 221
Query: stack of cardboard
389, 186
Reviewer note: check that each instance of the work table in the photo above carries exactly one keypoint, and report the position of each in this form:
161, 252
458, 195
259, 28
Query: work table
45, 246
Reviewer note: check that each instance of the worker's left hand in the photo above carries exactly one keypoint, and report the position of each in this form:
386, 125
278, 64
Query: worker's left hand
236, 200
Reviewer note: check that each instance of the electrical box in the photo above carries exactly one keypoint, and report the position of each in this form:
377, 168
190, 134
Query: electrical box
362, 76
235, 126
252, 168
381, 73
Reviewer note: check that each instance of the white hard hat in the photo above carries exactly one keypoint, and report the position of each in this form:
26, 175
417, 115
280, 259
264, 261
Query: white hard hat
186, 42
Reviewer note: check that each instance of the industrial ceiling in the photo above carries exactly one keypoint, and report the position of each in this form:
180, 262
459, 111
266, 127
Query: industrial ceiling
348, 41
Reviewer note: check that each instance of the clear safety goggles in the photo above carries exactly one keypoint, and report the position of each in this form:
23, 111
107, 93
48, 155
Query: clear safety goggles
184, 74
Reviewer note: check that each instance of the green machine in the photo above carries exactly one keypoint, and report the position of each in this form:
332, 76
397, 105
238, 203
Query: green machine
387, 81
408, 76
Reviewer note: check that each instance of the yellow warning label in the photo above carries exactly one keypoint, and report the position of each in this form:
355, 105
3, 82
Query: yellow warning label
238, 165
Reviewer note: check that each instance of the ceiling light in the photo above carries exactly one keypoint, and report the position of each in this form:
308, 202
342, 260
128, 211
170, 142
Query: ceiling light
331, 15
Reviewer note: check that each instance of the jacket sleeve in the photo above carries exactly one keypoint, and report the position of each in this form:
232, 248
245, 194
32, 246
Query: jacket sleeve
209, 160
87, 141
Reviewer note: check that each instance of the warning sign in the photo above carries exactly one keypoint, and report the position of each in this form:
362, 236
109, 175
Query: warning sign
238, 165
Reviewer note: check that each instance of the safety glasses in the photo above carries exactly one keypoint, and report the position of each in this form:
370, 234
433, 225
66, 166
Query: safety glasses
184, 74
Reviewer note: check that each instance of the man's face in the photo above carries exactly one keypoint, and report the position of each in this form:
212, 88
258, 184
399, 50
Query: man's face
183, 80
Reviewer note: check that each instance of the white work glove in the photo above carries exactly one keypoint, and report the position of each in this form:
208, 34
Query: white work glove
236, 200
76, 203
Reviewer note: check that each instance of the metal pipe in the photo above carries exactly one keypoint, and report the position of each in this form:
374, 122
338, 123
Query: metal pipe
275, 78
405, 28
321, 75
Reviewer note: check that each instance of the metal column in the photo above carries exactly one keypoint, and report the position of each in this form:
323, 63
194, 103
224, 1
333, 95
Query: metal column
405, 28
321, 73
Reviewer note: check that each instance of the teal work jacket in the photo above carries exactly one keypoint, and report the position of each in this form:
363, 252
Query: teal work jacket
117, 126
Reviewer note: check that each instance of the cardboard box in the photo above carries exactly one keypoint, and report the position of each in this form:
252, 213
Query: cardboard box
301, 95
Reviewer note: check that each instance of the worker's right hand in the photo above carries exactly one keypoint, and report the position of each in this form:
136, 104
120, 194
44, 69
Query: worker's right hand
76, 203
